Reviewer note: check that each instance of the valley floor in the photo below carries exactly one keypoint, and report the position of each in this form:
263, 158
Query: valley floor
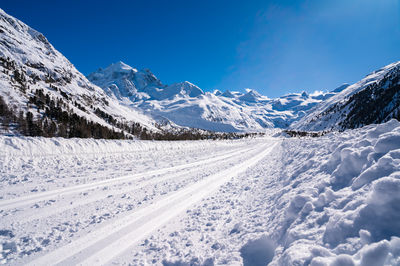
284, 201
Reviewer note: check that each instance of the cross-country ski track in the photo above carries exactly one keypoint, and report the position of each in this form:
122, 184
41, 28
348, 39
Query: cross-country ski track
100, 242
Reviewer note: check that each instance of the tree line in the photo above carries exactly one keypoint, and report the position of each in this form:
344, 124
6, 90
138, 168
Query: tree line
53, 120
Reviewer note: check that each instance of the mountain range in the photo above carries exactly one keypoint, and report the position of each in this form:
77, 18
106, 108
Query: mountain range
39, 87
185, 104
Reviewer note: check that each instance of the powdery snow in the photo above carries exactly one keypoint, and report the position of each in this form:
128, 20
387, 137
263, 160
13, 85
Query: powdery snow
331, 200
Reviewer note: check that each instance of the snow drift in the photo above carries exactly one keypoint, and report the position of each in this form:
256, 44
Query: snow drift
342, 199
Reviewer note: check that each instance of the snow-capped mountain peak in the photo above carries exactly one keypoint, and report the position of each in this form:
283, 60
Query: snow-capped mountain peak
43, 84
228, 94
250, 96
121, 67
127, 83
124, 81
185, 88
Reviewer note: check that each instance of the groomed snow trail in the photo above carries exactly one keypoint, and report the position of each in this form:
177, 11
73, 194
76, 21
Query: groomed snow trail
89, 208
20, 201
100, 246
153, 177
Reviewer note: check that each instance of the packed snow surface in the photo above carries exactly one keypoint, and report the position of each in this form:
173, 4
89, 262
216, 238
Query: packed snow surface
332, 200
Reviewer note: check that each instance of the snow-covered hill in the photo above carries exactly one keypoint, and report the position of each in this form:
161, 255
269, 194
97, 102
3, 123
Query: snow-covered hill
186, 105
374, 99
35, 77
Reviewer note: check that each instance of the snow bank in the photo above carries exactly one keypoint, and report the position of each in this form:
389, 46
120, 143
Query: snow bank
34, 146
342, 199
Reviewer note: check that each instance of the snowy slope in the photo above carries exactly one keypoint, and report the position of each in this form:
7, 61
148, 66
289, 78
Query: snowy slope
285, 201
186, 105
42, 67
374, 99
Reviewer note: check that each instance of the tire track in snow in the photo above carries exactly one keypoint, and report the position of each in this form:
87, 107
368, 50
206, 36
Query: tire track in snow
29, 199
102, 245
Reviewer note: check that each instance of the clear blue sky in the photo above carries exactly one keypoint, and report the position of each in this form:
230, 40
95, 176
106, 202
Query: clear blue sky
275, 47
